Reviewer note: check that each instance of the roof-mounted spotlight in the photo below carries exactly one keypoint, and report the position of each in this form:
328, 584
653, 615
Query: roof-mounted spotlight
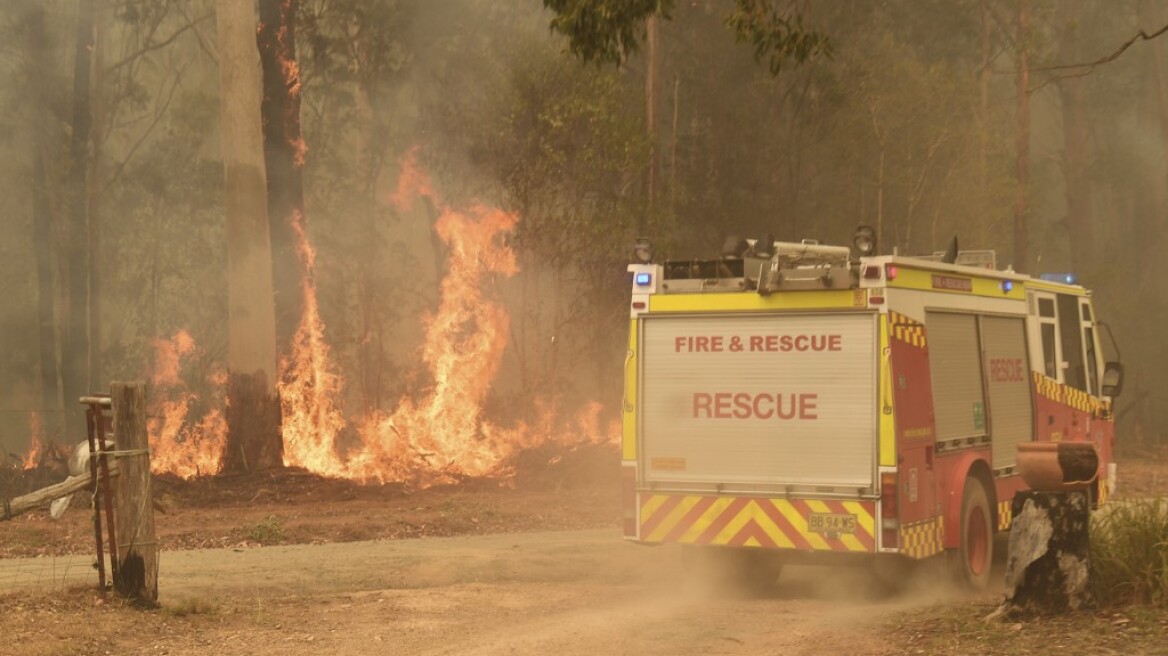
642, 251
864, 240
734, 247
764, 247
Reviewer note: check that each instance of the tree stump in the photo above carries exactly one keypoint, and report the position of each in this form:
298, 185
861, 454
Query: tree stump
1046, 567
253, 425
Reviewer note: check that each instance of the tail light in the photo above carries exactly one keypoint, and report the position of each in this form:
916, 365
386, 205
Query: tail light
629, 499
889, 511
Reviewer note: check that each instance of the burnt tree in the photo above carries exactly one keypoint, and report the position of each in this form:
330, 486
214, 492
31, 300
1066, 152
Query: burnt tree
251, 316
1076, 128
1047, 565
37, 72
1022, 142
75, 351
254, 411
284, 153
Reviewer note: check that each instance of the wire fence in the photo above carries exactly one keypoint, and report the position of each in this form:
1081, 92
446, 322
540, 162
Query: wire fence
46, 554
46, 573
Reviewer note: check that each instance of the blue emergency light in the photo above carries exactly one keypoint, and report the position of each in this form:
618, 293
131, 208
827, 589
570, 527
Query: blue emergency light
644, 279
1007, 286
1065, 278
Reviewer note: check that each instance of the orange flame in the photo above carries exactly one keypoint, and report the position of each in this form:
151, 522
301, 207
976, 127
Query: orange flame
36, 441
290, 70
443, 433
310, 390
463, 348
413, 183
179, 444
436, 436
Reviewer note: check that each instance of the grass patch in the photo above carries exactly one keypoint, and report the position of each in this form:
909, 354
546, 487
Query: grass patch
190, 606
1129, 553
269, 531
961, 629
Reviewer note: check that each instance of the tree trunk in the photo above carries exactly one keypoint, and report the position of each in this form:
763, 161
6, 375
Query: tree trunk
42, 223
93, 316
1046, 566
253, 410
75, 353
880, 198
1022, 142
284, 153
652, 64
984, 108
673, 145
42, 228
1147, 231
1078, 188
251, 314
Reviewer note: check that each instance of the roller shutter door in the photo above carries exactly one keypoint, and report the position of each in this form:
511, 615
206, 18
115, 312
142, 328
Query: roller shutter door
1008, 382
955, 365
768, 413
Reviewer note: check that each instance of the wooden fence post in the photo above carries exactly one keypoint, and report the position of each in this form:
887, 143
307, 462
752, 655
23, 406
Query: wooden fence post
137, 573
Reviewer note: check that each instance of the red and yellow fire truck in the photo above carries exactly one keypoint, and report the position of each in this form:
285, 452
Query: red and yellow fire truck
796, 400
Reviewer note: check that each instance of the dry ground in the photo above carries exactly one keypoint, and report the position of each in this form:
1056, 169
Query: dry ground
486, 577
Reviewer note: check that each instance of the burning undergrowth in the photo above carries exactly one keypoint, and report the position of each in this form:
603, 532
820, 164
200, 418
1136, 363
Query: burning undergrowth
43, 464
436, 435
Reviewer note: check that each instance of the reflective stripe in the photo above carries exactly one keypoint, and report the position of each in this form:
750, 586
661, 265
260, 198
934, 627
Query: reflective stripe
1005, 514
922, 539
753, 522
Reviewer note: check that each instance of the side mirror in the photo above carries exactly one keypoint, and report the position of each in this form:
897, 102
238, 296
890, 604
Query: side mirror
1112, 379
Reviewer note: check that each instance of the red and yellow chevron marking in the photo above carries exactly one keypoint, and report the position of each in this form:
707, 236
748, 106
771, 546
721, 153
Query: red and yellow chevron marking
907, 330
1059, 393
922, 539
1005, 514
752, 522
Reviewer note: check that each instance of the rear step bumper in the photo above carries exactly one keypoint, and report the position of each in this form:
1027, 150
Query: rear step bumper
756, 521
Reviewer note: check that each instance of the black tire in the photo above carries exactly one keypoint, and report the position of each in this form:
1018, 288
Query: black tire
973, 559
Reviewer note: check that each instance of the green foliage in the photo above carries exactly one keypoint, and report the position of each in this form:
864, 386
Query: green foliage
611, 31
776, 36
605, 31
269, 531
1129, 553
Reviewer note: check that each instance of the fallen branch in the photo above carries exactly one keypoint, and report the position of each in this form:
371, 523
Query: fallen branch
23, 504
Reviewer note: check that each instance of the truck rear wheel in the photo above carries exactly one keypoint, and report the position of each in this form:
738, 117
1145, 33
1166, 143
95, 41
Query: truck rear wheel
974, 557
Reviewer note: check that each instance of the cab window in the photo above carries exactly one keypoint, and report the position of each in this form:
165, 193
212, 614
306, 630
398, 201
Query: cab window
1071, 334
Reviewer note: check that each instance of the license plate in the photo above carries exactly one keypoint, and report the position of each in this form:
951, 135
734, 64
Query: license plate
831, 523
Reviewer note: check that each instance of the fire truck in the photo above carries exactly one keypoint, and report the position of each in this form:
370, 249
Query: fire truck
798, 401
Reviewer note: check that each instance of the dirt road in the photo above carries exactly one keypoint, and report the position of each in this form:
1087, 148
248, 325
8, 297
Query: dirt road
566, 593
455, 570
